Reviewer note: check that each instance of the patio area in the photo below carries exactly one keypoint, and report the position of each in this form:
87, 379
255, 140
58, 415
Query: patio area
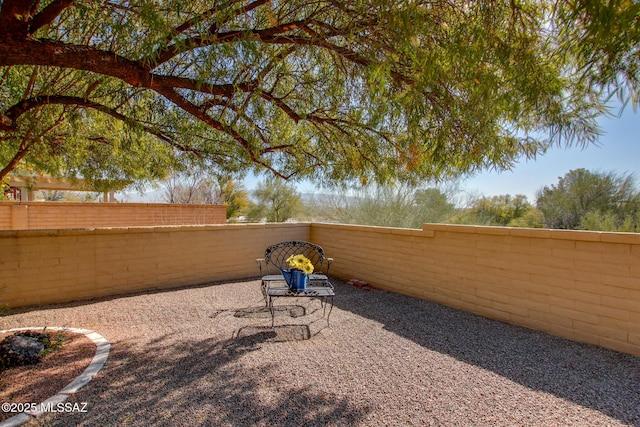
206, 356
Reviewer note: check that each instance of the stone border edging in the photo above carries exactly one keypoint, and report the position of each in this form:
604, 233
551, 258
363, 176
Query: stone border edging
102, 352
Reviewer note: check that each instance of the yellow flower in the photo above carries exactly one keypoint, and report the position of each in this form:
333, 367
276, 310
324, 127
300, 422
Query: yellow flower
300, 262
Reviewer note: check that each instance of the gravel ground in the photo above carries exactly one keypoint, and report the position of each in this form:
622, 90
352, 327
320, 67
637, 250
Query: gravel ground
206, 356
37, 383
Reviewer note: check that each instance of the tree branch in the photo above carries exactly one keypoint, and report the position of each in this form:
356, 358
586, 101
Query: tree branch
191, 22
292, 34
87, 58
200, 114
15, 17
273, 35
48, 14
28, 104
281, 104
52, 53
211, 38
25, 146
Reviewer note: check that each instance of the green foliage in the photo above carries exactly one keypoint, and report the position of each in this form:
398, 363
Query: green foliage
234, 195
504, 210
533, 218
333, 91
3, 187
601, 38
611, 221
398, 205
69, 140
52, 341
275, 201
434, 204
591, 200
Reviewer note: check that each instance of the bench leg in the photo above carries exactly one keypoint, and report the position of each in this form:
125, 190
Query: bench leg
270, 304
264, 287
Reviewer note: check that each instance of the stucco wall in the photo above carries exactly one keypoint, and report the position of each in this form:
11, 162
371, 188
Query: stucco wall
583, 286
57, 215
580, 285
38, 267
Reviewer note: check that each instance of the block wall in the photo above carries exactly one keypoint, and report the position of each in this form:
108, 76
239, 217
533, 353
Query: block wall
39, 267
584, 286
57, 215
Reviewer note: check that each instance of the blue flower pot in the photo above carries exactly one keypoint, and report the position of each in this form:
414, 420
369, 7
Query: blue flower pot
296, 279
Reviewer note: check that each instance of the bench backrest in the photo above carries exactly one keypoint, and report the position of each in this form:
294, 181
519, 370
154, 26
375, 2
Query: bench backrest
275, 256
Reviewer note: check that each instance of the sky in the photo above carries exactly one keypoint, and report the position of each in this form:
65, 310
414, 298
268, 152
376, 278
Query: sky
618, 150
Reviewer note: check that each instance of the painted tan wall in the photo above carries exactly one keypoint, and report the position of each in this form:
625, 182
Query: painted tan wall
56, 215
38, 267
583, 286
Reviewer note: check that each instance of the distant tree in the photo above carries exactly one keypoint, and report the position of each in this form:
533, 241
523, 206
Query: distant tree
387, 206
503, 210
234, 195
275, 201
200, 188
191, 188
52, 196
68, 196
533, 218
583, 199
433, 205
400, 205
610, 221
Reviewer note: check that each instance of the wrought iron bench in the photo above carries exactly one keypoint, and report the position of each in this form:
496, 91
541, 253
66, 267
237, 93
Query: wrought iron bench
275, 257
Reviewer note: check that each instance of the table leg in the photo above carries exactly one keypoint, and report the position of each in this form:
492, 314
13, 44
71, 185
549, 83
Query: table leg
330, 309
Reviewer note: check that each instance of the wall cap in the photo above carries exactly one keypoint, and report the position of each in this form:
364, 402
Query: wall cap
145, 229
428, 230
542, 233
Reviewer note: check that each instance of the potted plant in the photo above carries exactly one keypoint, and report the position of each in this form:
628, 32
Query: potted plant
297, 276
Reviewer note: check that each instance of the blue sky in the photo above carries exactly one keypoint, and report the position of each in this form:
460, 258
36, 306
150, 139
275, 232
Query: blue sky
618, 150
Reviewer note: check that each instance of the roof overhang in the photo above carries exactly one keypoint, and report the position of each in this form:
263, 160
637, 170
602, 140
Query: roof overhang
40, 182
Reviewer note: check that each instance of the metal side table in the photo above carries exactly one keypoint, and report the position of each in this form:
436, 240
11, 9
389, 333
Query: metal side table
325, 292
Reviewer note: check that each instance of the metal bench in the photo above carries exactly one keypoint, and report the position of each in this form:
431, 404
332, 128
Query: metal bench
275, 257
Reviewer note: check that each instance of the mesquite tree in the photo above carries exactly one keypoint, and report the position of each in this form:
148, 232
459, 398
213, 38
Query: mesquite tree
328, 90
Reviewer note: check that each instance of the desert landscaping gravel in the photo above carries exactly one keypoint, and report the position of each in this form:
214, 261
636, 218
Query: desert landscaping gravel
206, 356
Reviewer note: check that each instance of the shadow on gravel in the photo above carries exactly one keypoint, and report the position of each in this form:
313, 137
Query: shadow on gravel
115, 297
281, 333
202, 383
590, 376
264, 312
